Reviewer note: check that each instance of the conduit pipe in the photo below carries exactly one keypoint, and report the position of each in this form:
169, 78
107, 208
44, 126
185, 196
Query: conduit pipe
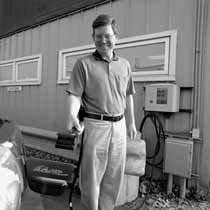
199, 66
38, 132
200, 40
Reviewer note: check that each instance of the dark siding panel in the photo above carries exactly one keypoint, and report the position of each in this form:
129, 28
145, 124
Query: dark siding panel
22, 14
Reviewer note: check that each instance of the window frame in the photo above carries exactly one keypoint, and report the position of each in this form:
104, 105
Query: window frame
19, 61
62, 78
7, 63
169, 38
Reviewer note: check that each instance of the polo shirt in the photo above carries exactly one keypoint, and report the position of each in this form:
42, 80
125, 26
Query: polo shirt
102, 85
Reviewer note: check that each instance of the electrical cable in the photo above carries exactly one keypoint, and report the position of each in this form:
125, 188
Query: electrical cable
160, 135
159, 132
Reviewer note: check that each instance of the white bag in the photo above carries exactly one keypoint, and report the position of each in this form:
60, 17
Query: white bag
135, 157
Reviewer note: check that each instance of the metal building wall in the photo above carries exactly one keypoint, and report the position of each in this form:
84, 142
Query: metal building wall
44, 106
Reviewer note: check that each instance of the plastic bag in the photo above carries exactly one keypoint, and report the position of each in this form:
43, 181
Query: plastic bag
10, 191
135, 156
11, 180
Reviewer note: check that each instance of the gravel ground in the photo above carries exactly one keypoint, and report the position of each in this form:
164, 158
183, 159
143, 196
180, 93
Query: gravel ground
155, 199
157, 203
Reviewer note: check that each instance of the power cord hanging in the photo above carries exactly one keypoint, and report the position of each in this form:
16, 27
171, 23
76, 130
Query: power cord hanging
159, 133
148, 185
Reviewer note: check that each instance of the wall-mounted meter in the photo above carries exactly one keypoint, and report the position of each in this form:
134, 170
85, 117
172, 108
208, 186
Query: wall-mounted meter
162, 97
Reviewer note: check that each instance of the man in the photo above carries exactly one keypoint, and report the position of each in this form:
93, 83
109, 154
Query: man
102, 83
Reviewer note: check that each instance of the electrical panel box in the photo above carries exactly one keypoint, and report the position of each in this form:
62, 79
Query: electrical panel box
178, 157
162, 97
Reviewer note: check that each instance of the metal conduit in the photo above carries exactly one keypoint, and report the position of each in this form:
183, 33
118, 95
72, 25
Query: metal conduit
200, 39
199, 65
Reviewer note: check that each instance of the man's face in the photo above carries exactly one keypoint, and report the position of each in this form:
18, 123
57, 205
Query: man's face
104, 39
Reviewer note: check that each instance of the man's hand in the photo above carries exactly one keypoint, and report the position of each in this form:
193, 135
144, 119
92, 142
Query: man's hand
73, 110
132, 131
73, 122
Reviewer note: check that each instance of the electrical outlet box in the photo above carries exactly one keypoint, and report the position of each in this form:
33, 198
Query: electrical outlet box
162, 97
178, 157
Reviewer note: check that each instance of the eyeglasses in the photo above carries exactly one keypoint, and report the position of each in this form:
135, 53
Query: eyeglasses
99, 37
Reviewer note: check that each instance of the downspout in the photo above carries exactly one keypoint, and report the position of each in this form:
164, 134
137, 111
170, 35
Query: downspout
199, 67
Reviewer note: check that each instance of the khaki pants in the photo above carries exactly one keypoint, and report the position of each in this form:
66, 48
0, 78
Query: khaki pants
103, 163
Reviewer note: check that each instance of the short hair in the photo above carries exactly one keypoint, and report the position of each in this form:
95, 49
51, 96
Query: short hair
104, 20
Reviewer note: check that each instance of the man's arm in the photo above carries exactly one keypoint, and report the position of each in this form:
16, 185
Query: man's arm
73, 107
130, 117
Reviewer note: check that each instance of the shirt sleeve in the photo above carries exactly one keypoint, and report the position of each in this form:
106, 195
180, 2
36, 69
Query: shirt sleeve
77, 79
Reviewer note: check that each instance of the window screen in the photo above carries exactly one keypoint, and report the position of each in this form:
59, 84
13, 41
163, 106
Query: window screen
6, 73
27, 70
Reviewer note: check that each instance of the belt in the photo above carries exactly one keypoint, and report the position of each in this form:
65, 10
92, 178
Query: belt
103, 117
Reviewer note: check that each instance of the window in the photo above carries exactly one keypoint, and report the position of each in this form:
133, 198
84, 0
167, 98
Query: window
6, 72
67, 59
152, 57
21, 71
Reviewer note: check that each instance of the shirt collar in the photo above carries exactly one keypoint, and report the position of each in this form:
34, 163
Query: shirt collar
98, 56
